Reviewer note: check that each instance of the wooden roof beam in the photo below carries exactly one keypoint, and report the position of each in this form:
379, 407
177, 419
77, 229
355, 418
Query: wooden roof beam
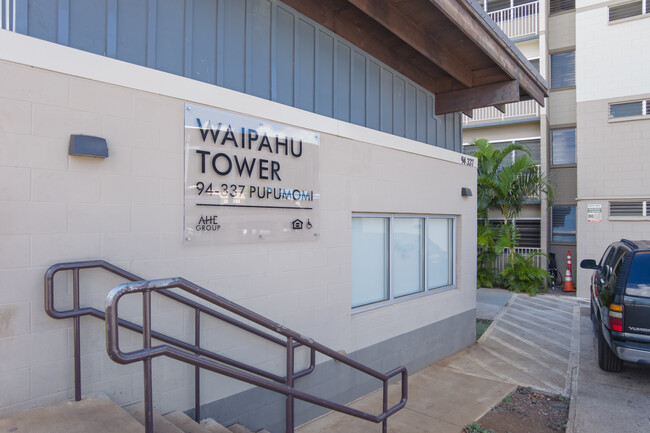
468, 99
389, 16
466, 18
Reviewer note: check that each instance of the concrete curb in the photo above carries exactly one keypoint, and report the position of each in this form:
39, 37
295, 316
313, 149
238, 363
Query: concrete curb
503, 311
574, 368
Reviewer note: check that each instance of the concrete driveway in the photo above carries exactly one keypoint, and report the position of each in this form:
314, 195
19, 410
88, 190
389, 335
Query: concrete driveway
607, 402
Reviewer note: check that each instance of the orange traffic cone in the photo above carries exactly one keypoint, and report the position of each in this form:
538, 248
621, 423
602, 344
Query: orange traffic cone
568, 281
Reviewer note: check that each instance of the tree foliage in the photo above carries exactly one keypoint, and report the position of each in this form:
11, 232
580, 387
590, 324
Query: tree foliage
507, 187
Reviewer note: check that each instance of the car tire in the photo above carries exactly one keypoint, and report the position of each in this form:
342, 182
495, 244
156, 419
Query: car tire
607, 359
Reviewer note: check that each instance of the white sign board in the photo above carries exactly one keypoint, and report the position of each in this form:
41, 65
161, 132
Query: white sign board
594, 213
248, 180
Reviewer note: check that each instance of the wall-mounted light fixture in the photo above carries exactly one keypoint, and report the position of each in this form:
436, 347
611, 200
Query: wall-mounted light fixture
465, 192
87, 145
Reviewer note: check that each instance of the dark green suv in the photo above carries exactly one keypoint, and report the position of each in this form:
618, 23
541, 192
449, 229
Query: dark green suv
620, 303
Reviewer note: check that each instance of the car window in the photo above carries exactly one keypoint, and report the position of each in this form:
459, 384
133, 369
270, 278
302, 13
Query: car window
607, 252
614, 267
608, 262
638, 281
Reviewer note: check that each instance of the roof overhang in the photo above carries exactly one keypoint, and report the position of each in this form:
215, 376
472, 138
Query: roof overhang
449, 47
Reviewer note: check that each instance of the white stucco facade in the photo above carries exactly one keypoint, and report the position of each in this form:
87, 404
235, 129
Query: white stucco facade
128, 209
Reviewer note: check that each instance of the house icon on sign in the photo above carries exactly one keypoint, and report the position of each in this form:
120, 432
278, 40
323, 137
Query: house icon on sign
296, 224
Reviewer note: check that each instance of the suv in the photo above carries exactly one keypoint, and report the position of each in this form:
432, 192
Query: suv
620, 303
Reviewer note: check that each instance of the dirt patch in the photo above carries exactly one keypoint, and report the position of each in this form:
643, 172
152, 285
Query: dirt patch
481, 326
525, 411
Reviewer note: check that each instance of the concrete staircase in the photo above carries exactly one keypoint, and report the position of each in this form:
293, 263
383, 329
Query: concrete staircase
99, 414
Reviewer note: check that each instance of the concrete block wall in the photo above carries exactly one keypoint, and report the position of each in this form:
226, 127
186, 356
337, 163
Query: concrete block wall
613, 158
128, 209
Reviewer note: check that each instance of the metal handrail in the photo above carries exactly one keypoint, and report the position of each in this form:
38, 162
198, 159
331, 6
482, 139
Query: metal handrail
147, 353
77, 312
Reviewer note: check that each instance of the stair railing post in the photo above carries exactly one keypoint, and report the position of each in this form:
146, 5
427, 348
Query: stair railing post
384, 424
77, 337
146, 340
289, 401
197, 369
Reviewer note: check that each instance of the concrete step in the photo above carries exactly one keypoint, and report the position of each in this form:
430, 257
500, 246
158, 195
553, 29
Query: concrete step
160, 424
185, 423
238, 428
95, 413
213, 427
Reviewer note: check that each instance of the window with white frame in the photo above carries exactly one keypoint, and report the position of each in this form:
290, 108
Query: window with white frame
398, 256
629, 109
563, 146
630, 9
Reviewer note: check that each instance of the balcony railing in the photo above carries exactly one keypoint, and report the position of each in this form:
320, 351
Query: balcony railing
516, 110
518, 21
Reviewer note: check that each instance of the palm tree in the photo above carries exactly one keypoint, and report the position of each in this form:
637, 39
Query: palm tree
507, 187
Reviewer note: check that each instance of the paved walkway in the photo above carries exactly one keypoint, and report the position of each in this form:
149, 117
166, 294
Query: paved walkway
532, 342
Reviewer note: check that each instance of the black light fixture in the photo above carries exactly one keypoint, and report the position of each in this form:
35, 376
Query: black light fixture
87, 145
465, 192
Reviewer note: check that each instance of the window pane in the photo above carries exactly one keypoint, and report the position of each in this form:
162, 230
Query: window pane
638, 282
369, 260
440, 245
408, 255
535, 63
563, 146
534, 147
626, 109
563, 221
563, 70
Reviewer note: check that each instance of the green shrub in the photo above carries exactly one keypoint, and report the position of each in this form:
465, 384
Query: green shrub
476, 428
521, 274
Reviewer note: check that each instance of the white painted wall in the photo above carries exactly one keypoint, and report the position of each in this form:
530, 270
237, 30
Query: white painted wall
128, 209
612, 59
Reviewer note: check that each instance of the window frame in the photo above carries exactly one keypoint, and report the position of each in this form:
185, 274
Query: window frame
553, 86
645, 110
552, 232
392, 299
575, 147
645, 10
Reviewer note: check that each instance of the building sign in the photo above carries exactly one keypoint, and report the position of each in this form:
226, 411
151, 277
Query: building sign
248, 179
594, 213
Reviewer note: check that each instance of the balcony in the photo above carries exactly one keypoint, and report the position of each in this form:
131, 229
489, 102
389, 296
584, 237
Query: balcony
514, 111
518, 21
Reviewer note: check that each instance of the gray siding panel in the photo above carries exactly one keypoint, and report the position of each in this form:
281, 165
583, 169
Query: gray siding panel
325, 75
358, 89
260, 47
284, 77
42, 19
421, 122
88, 25
305, 69
204, 41
411, 111
170, 31
132, 31
342, 82
372, 94
399, 101
386, 101
234, 45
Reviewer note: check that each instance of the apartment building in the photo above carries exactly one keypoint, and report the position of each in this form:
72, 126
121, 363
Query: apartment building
590, 136
298, 158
